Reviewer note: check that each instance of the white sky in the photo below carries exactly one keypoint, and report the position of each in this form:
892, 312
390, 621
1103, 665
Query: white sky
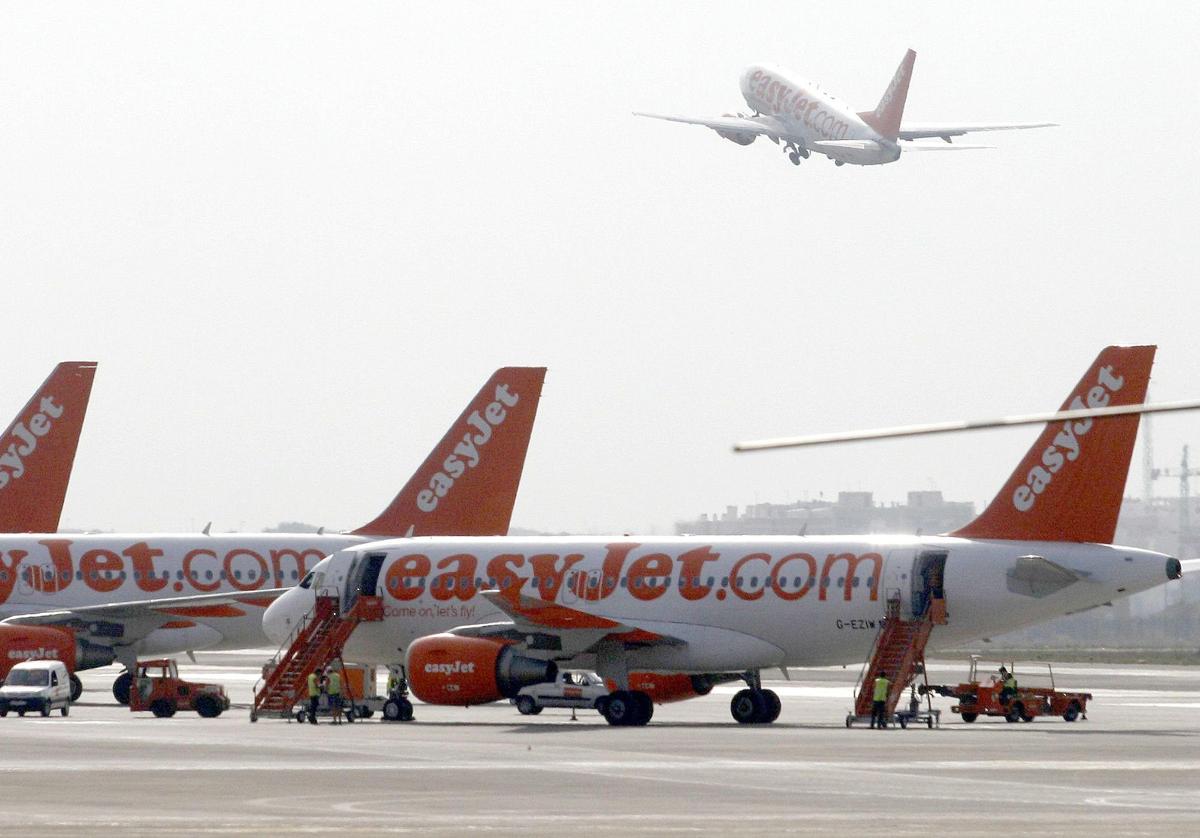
298, 237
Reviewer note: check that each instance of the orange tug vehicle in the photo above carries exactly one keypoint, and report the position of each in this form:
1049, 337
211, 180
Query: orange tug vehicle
978, 697
159, 689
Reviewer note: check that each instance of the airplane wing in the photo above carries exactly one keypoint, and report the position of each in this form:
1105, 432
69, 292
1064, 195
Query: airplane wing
760, 126
538, 615
125, 623
941, 147
947, 130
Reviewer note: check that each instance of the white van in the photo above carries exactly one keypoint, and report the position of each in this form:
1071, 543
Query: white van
36, 685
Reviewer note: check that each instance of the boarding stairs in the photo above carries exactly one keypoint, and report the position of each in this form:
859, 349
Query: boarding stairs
899, 650
316, 641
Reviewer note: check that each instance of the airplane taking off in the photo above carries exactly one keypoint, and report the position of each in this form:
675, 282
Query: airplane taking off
667, 618
806, 119
37, 451
89, 600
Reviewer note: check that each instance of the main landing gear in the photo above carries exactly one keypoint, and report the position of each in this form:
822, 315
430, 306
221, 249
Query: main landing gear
795, 153
627, 708
754, 705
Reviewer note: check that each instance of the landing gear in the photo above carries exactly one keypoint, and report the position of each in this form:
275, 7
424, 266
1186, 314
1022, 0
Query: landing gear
121, 687
628, 708
76, 687
795, 153
754, 705
839, 162
398, 709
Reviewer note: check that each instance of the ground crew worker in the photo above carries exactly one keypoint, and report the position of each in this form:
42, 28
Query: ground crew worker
879, 704
393, 682
335, 695
314, 696
1009, 690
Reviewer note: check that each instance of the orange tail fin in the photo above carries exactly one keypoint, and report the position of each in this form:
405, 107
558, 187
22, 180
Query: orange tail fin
468, 483
885, 119
1069, 486
38, 450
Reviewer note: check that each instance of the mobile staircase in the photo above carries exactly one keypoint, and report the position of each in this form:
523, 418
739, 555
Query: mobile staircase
316, 641
899, 650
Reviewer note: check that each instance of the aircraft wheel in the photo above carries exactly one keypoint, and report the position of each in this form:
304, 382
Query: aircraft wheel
398, 710
773, 706
76, 687
969, 717
645, 708
1072, 712
621, 709
21, 713
121, 686
747, 707
795, 158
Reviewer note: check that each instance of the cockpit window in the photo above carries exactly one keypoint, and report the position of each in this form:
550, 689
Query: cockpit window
306, 582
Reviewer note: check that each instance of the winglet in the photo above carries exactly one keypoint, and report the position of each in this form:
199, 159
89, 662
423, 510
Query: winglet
37, 451
1069, 485
885, 119
468, 483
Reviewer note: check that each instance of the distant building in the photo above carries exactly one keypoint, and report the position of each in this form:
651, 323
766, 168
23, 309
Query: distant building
852, 513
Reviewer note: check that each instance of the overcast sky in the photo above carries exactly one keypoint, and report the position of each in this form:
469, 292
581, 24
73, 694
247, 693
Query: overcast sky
298, 237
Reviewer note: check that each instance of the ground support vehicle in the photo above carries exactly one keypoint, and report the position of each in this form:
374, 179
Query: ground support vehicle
42, 685
572, 688
159, 689
360, 696
979, 697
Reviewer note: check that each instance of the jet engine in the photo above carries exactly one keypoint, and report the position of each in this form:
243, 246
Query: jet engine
739, 137
28, 643
447, 669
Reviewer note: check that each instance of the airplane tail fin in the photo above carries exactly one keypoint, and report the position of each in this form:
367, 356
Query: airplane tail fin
1070, 483
37, 451
885, 119
468, 483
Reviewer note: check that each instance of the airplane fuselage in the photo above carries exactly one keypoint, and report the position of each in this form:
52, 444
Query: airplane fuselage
807, 115
737, 603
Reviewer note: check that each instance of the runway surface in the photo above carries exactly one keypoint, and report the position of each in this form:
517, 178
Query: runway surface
1132, 768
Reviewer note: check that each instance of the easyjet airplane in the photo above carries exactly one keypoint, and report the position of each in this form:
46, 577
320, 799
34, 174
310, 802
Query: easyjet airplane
37, 451
90, 600
806, 119
666, 618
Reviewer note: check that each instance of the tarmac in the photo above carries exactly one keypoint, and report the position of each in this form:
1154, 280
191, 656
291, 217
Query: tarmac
1132, 768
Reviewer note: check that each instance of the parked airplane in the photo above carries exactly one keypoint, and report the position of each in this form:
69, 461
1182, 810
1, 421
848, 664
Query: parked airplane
474, 620
89, 600
806, 119
38, 449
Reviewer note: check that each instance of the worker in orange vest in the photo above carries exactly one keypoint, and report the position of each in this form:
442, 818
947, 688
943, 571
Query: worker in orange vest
879, 704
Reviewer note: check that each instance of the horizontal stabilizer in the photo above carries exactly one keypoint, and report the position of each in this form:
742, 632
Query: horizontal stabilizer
947, 130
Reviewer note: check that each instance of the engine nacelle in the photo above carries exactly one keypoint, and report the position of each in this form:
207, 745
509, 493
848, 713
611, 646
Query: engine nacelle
32, 643
664, 689
739, 137
446, 669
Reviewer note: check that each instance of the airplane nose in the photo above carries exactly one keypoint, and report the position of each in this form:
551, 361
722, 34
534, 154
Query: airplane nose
280, 617
1174, 569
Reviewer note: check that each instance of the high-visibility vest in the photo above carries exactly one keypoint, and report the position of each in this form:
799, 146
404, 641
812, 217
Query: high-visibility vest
335, 684
393, 683
313, 689
1010, 683
881, 688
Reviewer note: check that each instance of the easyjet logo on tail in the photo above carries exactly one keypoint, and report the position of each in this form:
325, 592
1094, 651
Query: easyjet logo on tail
467, 453
1067, 443
13, 454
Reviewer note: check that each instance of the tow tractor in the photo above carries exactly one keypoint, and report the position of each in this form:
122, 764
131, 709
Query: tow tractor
159, 689
978, 697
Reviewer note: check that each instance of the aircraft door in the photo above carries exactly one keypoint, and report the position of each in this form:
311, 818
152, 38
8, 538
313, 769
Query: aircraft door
895, 577
363, 578
928, 579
